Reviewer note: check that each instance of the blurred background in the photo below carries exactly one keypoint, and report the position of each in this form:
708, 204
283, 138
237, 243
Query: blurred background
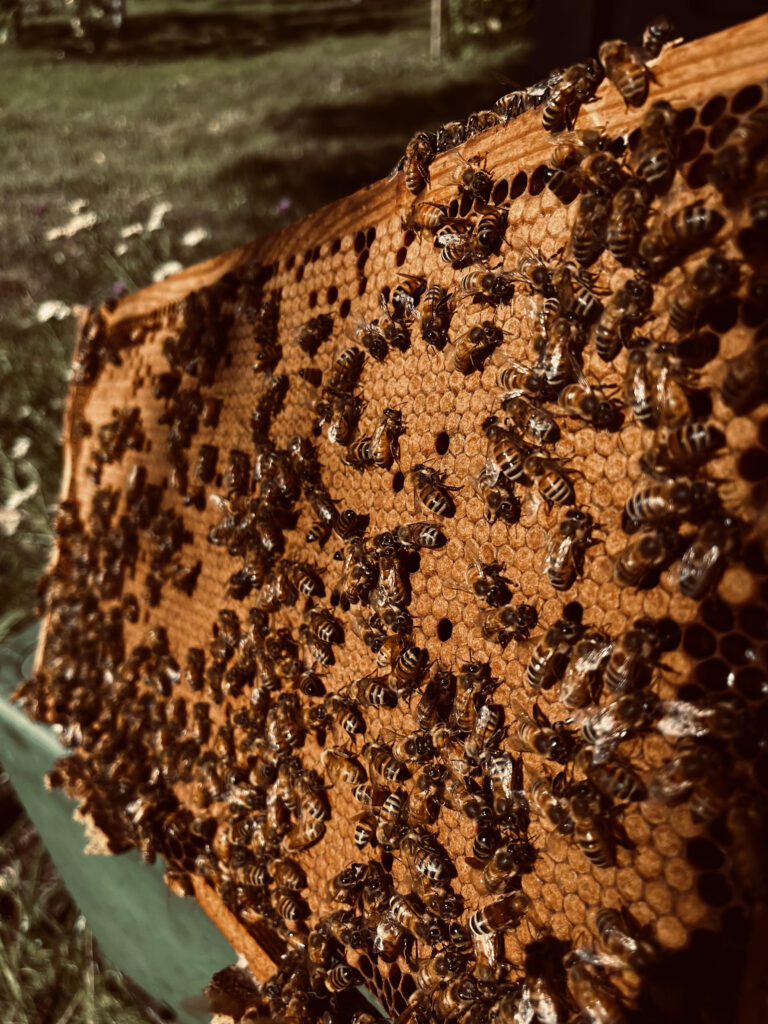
140, 136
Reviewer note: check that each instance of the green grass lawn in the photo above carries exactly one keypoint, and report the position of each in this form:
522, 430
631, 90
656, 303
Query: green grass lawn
234, 144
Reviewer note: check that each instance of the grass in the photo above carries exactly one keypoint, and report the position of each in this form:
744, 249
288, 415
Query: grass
50, 970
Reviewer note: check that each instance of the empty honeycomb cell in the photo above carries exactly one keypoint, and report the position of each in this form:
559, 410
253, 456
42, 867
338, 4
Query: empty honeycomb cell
712, 110
697, 173
444, 629
331, 295
719, 133
538, 180
699, 641
691, 144
751, 683
753, 464
714, 889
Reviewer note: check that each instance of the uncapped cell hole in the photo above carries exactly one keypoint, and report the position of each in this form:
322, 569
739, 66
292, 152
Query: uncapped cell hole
442, 440
344, 309
444, 630
398, 482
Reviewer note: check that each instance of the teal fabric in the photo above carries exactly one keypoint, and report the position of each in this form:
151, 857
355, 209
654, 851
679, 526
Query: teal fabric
167, 945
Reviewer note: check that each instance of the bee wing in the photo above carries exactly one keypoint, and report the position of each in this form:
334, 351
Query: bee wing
680, 718
592, 656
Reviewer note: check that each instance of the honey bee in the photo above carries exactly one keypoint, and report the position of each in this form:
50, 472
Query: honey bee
460, 798
675, 500
432, 491
704, 562
344, 714
588, 235
419, 154
205, 465
670, 238
657, 32
592, 993
550, 656
556, 344
499, 500
505, 863
389, 940
381, 759
372, 691
455, 242
540, 427
506, 450
475, 345
360, 455
552, 483
733, 166
682, 450
744, 384
313, 333
342, 977
614, 779
711, 282
489, 231
436, 311
342, 767
577, 85
592, 832
450, 135
420, 535
628, 308
548, 804
633, 658
395, 332
385, 447
622, 939
429, 216
426, 857
436, 701
625, 67
494, 287
486, 580
537, 735
472, 178
179, 883
436, 970
565, 552
581, 678
627, 221
654, 157
304, 834
409, 666
512, 622
499, 915
485, 733
406, 295
589, 403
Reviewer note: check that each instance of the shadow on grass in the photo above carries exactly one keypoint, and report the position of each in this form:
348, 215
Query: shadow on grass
177, 34
351, 145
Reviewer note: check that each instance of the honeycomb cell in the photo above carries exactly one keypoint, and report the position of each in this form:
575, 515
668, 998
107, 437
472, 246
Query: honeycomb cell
712, 110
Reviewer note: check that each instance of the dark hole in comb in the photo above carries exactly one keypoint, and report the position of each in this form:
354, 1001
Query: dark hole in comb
394, 975
753, 464
465, 204
685, 119
754, 620
398, 1001
362, 286
500, 191
538, 180
699, 349
335, 598
724, 315
400, 256
344, 309
387, 860
335, 246
331, 295
444, 630
442, 441
362, 259
690, 692
377, 977
720, 132
365, 966
712, 110
745, 99
290, 263
634, 139
669, 634
385, 291
407, 986
717, 614
409, 237
370, 236
359, 241
316, 253
697, 172
690, 147
701, 404
714, 674
714, 889
300, 273
735, 925
699, 642
312, 299
453, 208
737, 649
398, 482
518, 185
704, 854
751, 683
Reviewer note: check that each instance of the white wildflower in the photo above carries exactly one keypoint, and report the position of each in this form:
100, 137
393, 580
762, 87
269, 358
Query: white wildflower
166, 269
156, 215
53, 309
20, 447
194, 237
78, 222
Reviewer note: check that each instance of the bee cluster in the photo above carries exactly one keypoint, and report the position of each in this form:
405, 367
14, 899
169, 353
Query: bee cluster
431, 639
